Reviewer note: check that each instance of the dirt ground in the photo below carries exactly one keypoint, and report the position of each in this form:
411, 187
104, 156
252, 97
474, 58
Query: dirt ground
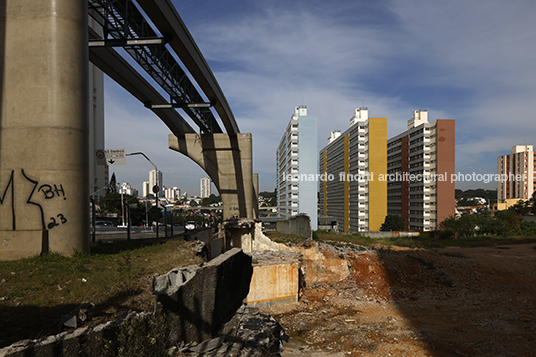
414, 302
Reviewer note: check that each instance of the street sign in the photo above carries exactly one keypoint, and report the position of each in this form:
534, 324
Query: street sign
115, 157
101, 157
156, 189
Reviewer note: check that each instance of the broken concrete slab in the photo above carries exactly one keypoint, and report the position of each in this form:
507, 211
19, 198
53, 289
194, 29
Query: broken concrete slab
249, 333
202, 299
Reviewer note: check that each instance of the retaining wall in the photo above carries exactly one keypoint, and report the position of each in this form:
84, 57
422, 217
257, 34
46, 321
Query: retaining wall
299, 225
389, 234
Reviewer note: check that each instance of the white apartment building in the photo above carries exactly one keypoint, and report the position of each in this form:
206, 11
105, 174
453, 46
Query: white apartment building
296, 157
156, 179
173, 194
145, 188
204, 187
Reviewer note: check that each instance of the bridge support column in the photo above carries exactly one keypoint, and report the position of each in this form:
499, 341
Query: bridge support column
227, 159
44, 188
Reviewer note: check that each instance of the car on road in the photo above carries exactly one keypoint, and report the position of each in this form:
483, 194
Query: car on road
104, 224
190, 226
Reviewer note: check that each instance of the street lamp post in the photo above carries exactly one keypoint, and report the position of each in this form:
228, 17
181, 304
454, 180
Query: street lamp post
122, 205
156, 194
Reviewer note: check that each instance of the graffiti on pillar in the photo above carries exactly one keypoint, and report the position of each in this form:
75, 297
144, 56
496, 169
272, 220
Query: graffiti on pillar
10, 184
44, 191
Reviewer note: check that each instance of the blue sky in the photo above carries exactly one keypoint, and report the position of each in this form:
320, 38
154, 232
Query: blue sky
473, 61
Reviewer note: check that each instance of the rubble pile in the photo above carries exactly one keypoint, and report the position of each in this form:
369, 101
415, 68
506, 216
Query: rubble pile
415, 302
249, 333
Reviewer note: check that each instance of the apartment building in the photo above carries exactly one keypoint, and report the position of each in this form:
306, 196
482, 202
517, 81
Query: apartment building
172, 194
296, 161
420, 162
353, 166
519, 164
156, 179
204, 187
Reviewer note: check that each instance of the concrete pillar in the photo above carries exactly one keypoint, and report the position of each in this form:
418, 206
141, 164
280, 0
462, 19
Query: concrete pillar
227, 159
43, 127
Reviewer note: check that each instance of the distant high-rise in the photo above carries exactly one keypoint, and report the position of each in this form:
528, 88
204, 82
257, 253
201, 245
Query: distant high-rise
351, 165
126, 189
204, 187
519, 163
145, 189
296, 160
156, 179
173, 194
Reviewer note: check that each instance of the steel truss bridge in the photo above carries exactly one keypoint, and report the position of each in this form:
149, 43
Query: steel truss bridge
156, 38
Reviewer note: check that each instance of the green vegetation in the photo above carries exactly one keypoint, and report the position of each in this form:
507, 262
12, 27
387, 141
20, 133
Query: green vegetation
465, 196
358, 239
426, 240
284, 237
35, 292
393, 222
268, 198
505, 223
207, 201
150, 338
111, 203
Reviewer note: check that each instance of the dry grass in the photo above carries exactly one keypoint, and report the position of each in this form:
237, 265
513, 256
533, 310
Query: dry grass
35, 292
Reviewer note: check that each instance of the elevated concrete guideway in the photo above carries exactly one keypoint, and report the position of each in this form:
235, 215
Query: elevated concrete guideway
168, 22
231, 168
44, 112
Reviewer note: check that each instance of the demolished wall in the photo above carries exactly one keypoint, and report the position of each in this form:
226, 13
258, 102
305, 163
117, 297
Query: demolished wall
276, 279
204, 298
197, 301
281, 270
299, 225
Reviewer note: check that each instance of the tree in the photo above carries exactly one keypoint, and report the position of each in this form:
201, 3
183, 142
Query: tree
113, 185
111, 202
448, 228
155, 214
523, 207
462, 227
393, 222
270, 198
193, 203
509, 219
207, 201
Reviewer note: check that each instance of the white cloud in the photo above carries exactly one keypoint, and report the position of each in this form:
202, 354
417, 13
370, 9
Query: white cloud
466, 60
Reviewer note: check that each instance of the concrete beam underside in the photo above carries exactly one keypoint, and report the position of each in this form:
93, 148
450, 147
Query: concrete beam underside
44, 204
227, 159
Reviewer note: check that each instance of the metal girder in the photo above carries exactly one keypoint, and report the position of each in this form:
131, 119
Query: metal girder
122, 43
165, 17
115, 66
122, 21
